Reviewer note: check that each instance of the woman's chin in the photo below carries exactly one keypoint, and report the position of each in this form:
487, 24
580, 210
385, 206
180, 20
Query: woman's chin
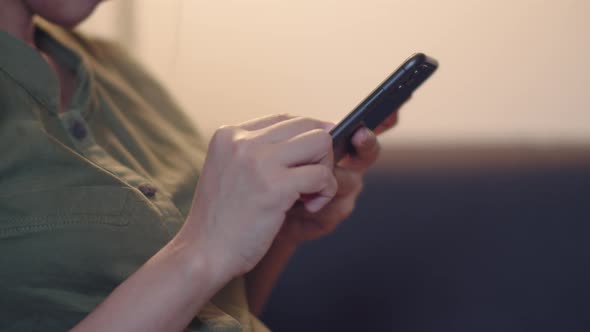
65, 13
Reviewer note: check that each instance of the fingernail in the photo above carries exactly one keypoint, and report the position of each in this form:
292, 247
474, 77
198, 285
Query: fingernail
315, 205
366, 136
361, 135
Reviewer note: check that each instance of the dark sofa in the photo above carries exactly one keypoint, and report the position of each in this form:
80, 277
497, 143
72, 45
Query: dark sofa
493, 238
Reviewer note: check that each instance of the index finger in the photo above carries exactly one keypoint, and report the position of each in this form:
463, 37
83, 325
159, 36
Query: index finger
265, 121
292, 127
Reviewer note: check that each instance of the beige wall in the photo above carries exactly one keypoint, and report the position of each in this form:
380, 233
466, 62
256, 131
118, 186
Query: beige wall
511, 71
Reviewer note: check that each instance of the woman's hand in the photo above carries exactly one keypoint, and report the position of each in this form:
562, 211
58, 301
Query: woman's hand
253, 174
302, 225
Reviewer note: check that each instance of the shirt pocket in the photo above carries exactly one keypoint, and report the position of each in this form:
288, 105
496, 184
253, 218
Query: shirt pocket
57, 208
63, 250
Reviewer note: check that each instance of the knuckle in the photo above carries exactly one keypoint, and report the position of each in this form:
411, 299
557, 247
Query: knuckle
222, 139
283, 116
244, 151
310, 123
223, 134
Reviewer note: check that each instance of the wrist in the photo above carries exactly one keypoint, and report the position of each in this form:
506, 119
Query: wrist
196, 263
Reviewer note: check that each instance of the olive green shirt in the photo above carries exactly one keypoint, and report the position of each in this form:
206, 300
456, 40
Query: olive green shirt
88, 195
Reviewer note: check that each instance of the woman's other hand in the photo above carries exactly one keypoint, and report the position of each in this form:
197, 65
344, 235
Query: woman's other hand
303, 225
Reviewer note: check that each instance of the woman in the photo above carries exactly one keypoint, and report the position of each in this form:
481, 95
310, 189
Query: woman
102, 224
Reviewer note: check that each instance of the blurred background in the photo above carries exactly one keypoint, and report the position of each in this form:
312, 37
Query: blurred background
476, 217
511, 71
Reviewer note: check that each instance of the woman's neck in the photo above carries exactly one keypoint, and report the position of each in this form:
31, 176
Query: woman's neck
17, 19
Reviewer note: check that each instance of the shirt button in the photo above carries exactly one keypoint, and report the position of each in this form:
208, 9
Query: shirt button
148, 190
78, 130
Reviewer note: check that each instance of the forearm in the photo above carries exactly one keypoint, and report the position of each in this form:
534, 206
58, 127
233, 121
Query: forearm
163, 295
261, 280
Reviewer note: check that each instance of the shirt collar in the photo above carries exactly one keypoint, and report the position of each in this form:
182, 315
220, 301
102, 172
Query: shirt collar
30, 70
27, 68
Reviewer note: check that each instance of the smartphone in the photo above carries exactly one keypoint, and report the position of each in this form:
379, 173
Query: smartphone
382, 102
